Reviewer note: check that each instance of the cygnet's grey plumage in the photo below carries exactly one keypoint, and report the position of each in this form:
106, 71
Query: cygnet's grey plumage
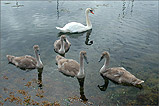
118, 74
71, 67
63, 41
27, 62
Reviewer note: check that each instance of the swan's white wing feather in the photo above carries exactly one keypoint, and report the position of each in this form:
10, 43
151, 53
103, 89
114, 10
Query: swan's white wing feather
75, 27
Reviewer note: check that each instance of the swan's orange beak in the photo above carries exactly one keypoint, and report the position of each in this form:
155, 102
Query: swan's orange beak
92, 12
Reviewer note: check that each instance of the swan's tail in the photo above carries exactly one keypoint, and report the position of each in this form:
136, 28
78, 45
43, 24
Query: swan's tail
138, 82
61, 29
141, 81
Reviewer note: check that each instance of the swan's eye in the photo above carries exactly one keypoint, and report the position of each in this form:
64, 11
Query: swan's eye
90, 10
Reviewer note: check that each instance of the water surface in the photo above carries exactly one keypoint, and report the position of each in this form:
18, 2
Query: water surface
127, 29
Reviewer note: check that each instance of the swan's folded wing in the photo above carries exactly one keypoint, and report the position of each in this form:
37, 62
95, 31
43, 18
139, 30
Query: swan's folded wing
75, 27
27, 63
31, 58
70, 67
118, 74
114, 72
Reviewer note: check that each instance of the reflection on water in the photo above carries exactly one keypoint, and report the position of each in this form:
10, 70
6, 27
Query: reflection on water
40, 78
132, 41
105, 85
57, 9
81, 84
125, 8
87, 42
72, 35
132, 5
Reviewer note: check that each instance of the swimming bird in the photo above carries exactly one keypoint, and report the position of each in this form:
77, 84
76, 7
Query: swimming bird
117, 74
62, 45
70, 67
74, 27
27, 61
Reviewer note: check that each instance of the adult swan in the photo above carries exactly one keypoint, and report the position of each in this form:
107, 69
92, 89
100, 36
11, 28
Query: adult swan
74, 27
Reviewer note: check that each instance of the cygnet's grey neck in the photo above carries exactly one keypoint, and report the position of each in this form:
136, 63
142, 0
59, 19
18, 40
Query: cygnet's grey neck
81, 70
106, 63
62, 49
105, 66
39, 63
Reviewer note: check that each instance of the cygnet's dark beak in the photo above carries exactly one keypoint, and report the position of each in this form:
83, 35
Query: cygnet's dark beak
86, 59
101, 58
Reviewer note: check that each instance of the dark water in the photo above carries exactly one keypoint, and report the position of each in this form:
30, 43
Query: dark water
127, 29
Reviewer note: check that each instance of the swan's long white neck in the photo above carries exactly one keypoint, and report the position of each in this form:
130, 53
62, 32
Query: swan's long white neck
62, 49
81, 70
39, 63
105, 66
88, 22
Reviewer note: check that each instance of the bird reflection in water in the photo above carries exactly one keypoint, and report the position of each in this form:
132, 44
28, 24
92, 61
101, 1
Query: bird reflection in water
105, 85
40, 78
125, 8
81, 83
57, 9
76, 35
88, 33
132, 5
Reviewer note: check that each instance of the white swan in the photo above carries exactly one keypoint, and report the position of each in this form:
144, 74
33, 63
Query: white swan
117, 74
27, 62
71, 67
62, 45
74, 27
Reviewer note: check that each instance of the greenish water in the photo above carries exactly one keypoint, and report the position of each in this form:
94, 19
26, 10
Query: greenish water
127, 29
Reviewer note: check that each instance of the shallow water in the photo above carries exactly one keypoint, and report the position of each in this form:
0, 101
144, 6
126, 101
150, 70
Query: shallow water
127, 29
